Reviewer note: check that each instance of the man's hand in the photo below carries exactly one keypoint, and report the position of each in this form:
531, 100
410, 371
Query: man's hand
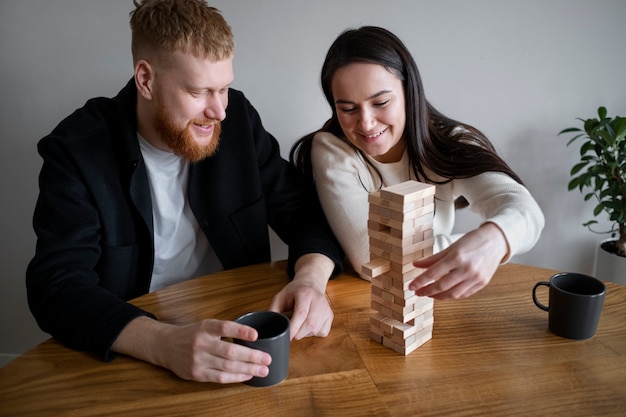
306, 296
195, 351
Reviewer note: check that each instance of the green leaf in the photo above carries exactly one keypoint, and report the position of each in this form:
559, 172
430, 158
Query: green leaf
573, 183
590, 223
590, 126
575, 137
578, 167
620, 128
602, 112
586, 147
598, 209
570, 129
607, 137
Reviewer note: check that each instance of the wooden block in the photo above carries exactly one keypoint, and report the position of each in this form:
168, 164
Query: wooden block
407, 277
401, 333
407, 191
404, 308
385, 282
401, 228
404, 215
396, 283
405, 318
376, 337
374, 199
412, 334
385, 311
418, 342
408, 345
376, 267
399, 270
395, 308
402, 250
407, 240
403, 259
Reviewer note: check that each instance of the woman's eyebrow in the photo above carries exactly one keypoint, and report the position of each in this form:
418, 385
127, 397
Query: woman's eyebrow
373, 96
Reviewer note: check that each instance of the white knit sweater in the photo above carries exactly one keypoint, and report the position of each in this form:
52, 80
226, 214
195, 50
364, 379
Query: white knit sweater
344, 181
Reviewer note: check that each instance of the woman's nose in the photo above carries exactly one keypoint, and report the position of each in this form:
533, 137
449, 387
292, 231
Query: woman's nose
366, 120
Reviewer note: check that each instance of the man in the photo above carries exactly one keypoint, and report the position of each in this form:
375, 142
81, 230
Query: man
173, 178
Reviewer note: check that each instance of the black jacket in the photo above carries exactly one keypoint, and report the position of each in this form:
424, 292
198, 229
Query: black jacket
93, 217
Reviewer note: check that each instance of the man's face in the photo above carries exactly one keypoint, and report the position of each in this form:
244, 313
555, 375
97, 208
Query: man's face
191, 96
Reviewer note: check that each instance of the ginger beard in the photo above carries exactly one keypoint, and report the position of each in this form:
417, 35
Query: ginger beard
181, 141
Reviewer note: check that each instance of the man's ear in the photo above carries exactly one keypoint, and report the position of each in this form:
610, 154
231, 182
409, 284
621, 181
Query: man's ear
144, 76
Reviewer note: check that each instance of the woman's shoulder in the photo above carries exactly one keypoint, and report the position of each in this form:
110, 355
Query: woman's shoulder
327, 146
331, 141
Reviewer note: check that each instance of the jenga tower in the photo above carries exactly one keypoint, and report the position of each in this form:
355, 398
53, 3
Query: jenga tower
400, 232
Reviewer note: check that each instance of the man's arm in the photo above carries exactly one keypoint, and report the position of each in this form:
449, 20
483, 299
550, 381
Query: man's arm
195, 351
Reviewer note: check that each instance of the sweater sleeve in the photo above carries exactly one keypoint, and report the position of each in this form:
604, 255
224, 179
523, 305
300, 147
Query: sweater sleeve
499, 199
341, 179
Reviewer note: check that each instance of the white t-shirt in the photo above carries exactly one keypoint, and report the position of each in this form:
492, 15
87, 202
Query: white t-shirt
181, 250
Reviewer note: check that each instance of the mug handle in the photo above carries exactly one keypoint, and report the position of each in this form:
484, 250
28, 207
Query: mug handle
537, 303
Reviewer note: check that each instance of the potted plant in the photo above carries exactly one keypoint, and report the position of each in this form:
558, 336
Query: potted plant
601, 174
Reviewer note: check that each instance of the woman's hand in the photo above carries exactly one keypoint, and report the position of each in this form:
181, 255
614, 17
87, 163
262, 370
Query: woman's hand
464, 267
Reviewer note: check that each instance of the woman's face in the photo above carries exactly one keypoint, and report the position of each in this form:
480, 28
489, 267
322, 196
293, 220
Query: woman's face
370, 106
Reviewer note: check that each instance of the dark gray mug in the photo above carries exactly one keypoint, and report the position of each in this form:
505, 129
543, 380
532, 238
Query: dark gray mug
273, 330
575, 303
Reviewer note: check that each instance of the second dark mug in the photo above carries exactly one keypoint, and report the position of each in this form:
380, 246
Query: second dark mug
575, 304
273, 330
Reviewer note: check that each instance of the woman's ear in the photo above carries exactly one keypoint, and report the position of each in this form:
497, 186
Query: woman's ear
144, 76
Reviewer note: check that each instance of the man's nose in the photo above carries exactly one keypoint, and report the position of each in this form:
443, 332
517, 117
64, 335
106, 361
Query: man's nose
215, 107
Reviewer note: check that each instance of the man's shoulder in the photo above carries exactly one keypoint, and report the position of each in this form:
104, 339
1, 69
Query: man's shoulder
98, 117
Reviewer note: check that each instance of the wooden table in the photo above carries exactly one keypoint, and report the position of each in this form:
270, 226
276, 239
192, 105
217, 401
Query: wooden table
490, 354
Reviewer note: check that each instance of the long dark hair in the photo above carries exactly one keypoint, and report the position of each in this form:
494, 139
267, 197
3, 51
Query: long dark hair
433, 140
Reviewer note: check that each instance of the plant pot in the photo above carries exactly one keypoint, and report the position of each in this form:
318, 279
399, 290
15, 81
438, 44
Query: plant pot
609, 266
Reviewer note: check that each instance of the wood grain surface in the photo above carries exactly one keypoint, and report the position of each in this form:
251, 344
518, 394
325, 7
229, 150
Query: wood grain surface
491, 354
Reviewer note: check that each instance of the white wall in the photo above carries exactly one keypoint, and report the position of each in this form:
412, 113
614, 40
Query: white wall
519, 70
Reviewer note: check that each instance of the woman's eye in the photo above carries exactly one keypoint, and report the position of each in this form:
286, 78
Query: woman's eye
381, 104
348, 109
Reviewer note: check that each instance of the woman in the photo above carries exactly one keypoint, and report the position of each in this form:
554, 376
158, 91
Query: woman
382, 132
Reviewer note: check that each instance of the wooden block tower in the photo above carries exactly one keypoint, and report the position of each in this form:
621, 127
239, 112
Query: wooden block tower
400, 232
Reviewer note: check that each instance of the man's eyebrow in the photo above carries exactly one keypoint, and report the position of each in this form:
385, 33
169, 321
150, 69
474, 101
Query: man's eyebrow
373, 96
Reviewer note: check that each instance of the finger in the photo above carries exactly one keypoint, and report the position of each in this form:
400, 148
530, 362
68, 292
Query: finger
237, 358
230, 372
441, 285
225, 328
326, 326
297, 324
221, 377
437, 267
227, 362
278, 303
452, 287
